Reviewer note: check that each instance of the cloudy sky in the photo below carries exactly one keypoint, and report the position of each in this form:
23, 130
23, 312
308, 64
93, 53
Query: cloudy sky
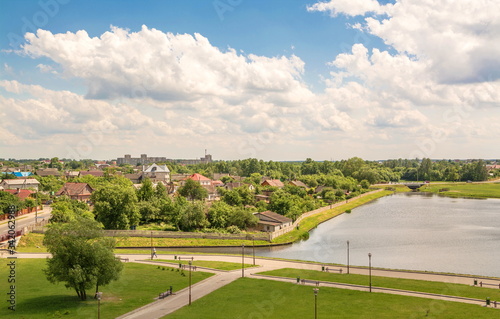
275, 80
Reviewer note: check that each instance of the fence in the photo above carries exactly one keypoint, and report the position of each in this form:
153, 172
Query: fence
310, 213
175, 234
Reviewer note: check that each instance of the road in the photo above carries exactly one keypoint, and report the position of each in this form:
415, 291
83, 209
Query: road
26, 220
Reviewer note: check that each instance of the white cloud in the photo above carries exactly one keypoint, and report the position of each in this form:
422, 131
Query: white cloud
350, 7
164, 66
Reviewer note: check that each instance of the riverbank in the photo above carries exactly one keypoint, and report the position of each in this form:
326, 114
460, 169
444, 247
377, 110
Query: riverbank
309, 223
34, 242
469, 190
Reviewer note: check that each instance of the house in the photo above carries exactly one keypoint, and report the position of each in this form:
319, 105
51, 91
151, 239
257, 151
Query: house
72, 174
48, 172
273, 182
271, 222
22, 174
233, 185
78, 191
205, 182
135, 178
93, 173
298, 184
25, 183
156, 172
22, 194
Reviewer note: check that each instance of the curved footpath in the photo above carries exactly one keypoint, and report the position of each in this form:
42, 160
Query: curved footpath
163, 307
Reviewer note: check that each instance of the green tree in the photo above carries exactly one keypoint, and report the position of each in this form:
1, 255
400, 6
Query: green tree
81, 256
6, 200
219, 214
192, 190
116, 207
194, 217
146, 192
66, 210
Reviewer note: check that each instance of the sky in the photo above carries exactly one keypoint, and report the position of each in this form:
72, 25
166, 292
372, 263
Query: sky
274, 80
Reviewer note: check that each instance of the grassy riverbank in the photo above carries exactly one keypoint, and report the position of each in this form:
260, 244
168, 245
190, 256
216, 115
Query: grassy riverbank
311, 222
474, 190
220, 265
259, 298
37, 298
396, 283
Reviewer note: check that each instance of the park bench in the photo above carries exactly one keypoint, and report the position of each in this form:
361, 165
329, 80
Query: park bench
307, 281
165, 294
327, 269
481, 284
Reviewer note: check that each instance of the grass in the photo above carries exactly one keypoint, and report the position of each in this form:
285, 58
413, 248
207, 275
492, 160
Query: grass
221, 265
33, 243
311, 222
259, 298
476, 190
37, 298
397, 283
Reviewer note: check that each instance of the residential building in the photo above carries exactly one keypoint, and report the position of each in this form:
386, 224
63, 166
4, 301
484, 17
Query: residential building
24, 183
156, 173
78, 191
271, 221
273, 182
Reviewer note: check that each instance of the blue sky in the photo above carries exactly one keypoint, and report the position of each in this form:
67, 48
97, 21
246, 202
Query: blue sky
276, 80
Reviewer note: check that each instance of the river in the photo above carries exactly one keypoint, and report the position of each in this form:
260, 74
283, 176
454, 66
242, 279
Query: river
412, 231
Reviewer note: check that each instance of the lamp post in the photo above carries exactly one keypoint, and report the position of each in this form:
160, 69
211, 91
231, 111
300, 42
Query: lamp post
242, 260
315, 303
190, 263
370, 269
253, 247
151, 245
348, 257
98, 296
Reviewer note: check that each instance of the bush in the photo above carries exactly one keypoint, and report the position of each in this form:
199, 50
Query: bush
233, 229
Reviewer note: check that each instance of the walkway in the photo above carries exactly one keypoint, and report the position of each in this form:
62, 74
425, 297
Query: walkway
163, 307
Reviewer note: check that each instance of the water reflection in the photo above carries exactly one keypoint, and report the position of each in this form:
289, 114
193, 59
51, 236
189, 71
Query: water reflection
405, 231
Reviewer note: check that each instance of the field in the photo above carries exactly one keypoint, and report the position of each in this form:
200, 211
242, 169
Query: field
397, 283
259, 298
476, 190
220, 265
38, 298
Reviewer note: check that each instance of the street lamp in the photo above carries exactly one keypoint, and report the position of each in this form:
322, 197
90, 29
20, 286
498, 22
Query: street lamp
253, 246
98, 296
190, 263
348, 257
315, 303
151, 245
242, 260
370, 269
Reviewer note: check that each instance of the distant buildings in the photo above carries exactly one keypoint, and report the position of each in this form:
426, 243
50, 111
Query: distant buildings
145, 159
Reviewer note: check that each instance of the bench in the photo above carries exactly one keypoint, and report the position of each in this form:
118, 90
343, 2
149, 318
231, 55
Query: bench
324, 268
486, 284
165, 294
313, 282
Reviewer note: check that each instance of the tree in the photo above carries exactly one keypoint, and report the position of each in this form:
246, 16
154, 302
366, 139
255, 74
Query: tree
66, 210
116, 207
146, 192
218, 214
81, 256
194, 217
192, 190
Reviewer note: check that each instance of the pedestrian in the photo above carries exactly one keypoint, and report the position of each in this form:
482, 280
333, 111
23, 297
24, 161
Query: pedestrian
154, 254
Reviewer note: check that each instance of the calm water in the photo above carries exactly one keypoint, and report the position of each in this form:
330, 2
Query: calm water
408, 231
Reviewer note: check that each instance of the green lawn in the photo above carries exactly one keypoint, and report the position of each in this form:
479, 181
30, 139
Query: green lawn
397, 283
34, 243
477, 190
37, 298
259, 298
310, 222
221, 265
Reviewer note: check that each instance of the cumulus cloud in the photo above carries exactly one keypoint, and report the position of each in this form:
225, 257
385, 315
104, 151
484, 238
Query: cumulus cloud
350, 7
457, 40
164, 66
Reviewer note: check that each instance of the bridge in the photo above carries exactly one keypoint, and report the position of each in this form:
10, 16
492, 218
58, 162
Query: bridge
414, 186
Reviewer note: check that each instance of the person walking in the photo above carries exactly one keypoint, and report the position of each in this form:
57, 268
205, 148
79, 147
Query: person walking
154, 254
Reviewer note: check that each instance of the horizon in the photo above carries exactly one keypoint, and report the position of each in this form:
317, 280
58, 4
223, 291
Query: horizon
274, 80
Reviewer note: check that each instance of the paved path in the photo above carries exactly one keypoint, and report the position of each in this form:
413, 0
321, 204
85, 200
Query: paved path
163, 307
